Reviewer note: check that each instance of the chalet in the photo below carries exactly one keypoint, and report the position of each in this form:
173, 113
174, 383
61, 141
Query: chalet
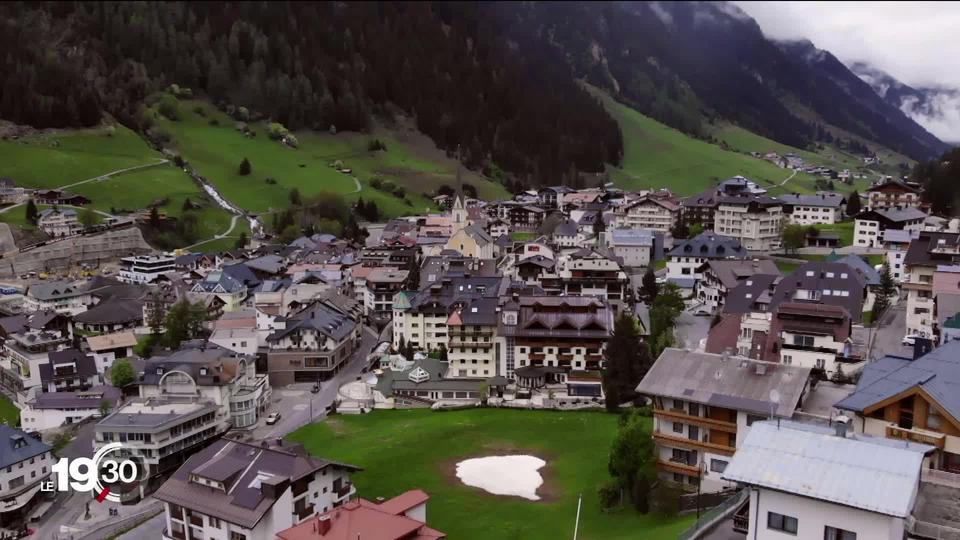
652, 213
58, 197
687, 257
720, 276
892, 195
823, 207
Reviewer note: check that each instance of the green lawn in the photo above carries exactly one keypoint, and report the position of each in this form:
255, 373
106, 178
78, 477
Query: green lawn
48, 161
656, 155
523, 236
843, 229
410, 161
9, 412
786, 268
401, 450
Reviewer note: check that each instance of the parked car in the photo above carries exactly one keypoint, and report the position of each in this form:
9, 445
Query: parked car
8, 290
911, 339
702, 312
273, 418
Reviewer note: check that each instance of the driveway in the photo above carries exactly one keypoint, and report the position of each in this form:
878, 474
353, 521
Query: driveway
887, 334
691, 331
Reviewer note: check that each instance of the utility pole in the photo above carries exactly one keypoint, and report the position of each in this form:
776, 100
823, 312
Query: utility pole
576, 525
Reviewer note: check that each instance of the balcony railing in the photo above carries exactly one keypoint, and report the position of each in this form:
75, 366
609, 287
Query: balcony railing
680, 415
692, 444
917, 435
304, 512
344, 491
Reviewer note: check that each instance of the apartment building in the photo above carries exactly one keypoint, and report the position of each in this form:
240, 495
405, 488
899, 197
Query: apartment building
704, 406
895, 243
829, 283
382, 285
421, 317
651, 213
25, 462
637, 248
588, 272
686, 259
754, 220
54, 410
720, 276
235, 490
68, 370
145, 268
471, 333
161, 432
821, 208
311, 345
565, 332
60, 296
812, 482
928, 251
892, 195
870, 225
25, 352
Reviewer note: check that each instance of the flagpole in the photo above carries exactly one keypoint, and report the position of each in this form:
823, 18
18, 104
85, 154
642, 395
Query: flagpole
576, 524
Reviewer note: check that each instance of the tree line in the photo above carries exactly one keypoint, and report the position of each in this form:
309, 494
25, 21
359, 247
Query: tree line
312, 65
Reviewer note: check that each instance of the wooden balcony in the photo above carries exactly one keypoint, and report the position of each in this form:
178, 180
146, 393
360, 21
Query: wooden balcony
678, 467
690, 444
678, 415
537, 356
303, 513
921, 436
565, 357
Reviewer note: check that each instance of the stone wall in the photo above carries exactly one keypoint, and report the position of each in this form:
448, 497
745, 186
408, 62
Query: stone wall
70, 252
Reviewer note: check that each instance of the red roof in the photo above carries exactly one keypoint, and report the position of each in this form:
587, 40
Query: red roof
367, 520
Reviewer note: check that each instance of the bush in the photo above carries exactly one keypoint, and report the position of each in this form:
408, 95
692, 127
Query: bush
609, 495
292, 141
375, 145
399, 191
213, 122
243, 113
245, 167
200, 110
276, 131
376, 183
169, 107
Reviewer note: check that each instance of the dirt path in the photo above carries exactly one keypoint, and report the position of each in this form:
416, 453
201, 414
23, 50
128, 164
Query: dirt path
225, 234
787, 179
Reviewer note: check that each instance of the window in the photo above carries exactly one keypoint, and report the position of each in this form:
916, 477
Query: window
694, 409
677, 427
234, 535
803, 341
718, 465
833, 533
693, 433
780, 522
787, 359
214, 522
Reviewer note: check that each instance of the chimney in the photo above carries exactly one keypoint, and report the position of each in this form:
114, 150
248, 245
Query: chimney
323, 525
841, 425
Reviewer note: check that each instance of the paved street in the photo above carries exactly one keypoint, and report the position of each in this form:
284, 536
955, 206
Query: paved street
889, 332
691, 331
294, 402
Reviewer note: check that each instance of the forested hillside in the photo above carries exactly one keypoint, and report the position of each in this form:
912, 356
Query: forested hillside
312, 65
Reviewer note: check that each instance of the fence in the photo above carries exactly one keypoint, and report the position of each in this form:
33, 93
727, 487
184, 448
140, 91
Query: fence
714, 516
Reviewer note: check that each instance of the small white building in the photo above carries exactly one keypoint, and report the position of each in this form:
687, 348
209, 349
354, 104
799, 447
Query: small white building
238, 340
824, 207
634, 246
870, 225
815, 483
145, 268
51, 410
110, 347
896, 242
59, 222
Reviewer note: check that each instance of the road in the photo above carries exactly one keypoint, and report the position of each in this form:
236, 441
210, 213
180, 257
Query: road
233, 223
787, 179
294, 403
887, 334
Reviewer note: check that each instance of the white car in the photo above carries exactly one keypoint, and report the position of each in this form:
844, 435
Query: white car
911, 339
272, 418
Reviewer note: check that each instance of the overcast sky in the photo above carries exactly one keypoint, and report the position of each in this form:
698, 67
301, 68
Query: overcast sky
915, 42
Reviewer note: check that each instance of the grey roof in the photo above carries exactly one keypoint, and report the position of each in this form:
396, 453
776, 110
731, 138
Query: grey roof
631, 237
734, 383
937, 373
757, 288
479, 235
904, 214
933, 249
831, 200
55, 290
750, 200
869, 273
219, 279
582, 317
141, 421
190, 358
823, 276
733, 272
320, 317
899, 235
444, 295
863, 472
708, 245
567, 228
16, 446
642, 311
64, 211
270, 264
391, 381
112, 311
86, 399
242, 467
86, 366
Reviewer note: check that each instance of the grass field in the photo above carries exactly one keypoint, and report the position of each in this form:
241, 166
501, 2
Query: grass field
401, 450
786, 268
843, 229
49, 161
9, 413
410, 161
656, 155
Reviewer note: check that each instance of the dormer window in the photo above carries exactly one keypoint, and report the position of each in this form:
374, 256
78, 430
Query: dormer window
159, 371
203, 371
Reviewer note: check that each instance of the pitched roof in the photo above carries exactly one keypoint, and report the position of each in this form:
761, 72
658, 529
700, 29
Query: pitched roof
86, 366
54, 290
16, 446
708, 245
837, 284
735, 383
243, 468
869, 473
362, 519
892, 183
732, 272
320, 317
937, 373
112, 311
829, 200
112, 341
85, 399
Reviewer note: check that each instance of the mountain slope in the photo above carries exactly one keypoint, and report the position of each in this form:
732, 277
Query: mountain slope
690, 63
935, 108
